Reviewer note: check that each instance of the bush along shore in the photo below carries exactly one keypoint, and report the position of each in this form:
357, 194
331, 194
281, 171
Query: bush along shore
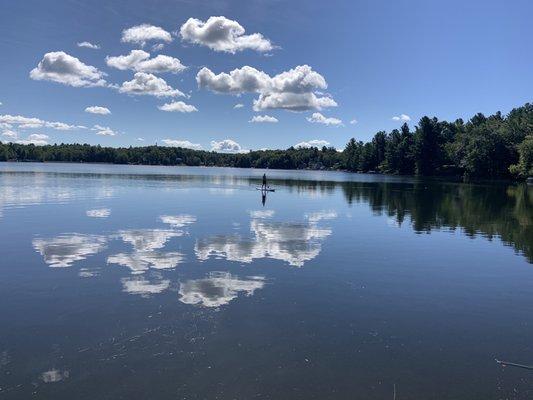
488, 147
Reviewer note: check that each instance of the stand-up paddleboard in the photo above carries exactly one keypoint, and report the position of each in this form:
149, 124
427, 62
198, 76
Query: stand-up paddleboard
265, 190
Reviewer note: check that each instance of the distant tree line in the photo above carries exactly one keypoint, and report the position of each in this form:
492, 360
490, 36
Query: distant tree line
496, 146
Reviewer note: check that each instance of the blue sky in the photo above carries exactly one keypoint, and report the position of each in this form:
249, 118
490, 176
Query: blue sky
379, 60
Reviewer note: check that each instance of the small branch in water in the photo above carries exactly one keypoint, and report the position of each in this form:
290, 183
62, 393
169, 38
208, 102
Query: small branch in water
511, 364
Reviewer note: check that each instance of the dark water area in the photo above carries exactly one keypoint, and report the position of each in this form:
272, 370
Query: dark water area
122, 282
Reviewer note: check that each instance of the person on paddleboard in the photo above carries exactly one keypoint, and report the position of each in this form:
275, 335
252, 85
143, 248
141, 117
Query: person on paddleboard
264, 186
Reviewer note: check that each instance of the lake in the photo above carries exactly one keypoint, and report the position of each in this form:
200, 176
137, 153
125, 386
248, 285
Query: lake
134, 282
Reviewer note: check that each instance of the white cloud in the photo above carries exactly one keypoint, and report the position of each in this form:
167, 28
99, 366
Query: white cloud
218, 289
264, 118
293, 90
227, 146
99, 213
103, 130
140, 61
148, 84
89, 45
402, 117
63, 68
129, 61
182, 143
312, 143
178, 106
10, 134
238, 105
140, 34
98, 110
37, 139
140, 139
318, 118
64, 250
161, 63
241, 80
292, 102
353, 121
31, 122
223, 34
158, 47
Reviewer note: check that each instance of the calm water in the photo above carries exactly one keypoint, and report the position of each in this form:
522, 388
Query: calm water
121, 282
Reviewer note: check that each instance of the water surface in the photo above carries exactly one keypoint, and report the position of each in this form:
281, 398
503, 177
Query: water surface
179, 283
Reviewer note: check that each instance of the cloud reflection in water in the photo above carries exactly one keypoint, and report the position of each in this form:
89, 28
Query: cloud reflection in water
292, 242
143, 287
145, 242
64, 250
178, 221
218, 289
99, 213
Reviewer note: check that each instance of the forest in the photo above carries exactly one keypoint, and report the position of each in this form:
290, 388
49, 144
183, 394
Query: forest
489, 147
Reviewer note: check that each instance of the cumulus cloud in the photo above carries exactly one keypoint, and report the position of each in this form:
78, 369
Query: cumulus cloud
37, 139
148, 84
140, 61
10, 134
241, 80
318, 118
64, 250
89, 45
353, 121
129, 61
264, 118
178, 106
312, 143
103, 130
31, 122
98, 110
141, 34
182, 143
402, 117
223, 34
61, 67
293, 90
293, 102
226, 146
218, 289
238, 105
